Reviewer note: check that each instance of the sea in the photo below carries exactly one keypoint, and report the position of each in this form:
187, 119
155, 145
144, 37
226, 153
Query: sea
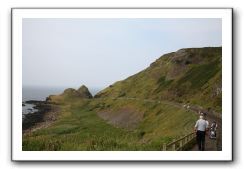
40, 94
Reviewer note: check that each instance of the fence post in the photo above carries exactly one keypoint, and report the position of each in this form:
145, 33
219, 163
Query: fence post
189, 137
186, 140
192, 136
164, 147
181, 144
173, 146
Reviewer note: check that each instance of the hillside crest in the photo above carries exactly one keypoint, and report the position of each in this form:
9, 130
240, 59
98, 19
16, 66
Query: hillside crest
189, 75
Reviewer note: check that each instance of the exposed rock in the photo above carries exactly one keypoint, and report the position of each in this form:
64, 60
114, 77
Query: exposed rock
84, 92
70, 92
32, 119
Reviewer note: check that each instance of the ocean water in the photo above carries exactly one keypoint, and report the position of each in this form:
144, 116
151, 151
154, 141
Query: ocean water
38, 93
28, 108
35, 93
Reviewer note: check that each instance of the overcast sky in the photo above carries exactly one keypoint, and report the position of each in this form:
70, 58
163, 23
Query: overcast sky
99, 52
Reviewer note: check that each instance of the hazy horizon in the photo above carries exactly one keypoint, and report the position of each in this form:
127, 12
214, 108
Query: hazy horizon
98, 52
42, 92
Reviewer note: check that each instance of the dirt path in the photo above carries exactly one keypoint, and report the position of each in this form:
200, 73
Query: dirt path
212, 144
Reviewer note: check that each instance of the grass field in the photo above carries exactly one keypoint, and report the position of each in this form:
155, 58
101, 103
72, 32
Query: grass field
80, 128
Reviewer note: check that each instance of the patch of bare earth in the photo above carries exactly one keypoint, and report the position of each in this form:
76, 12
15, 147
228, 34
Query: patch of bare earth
126, 117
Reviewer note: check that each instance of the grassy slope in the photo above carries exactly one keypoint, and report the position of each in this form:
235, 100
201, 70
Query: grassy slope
188, 75
130, 121
80, 128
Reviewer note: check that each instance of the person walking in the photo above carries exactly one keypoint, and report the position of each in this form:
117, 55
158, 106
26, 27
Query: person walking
200, 128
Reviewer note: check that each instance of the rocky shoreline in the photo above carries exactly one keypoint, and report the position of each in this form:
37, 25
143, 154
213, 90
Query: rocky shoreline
46, 113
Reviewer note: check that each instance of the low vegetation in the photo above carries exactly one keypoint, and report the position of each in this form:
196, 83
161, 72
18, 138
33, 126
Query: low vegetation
141, 112
188, 76
80, 128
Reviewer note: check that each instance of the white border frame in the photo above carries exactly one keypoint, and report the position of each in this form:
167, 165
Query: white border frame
18, 155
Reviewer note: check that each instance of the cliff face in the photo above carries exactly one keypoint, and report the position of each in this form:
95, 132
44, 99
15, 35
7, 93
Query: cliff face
190, 75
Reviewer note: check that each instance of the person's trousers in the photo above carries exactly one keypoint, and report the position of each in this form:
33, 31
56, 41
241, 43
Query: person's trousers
201, 140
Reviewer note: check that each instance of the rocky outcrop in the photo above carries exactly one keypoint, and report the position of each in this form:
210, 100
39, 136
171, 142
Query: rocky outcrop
70, 92
82, 93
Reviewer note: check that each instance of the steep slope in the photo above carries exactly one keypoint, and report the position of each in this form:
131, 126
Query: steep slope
190, 75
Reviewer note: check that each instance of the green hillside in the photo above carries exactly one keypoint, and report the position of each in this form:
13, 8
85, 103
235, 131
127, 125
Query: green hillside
188, 76
141, 112
111, 124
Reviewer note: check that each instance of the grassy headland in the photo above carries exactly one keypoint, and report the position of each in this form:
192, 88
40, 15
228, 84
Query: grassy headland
139, 113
